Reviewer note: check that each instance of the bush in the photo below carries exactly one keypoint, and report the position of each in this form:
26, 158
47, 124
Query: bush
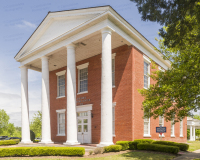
90, 152
113, 148
124, 144
99, 150
133, 145
8, 142
42, 151
149, 141
36, 141
32, 135
158, 147
182, 146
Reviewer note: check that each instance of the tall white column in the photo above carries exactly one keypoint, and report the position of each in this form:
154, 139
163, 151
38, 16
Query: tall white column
46, 127
191, 139
25, 106
106, 89
194, 135
71, 97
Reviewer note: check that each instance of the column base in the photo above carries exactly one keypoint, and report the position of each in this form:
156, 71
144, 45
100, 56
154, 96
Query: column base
46, 142
71, 143
103, 144
26, 141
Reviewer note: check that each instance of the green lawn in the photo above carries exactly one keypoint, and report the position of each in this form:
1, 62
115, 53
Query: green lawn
194, 145
129, 156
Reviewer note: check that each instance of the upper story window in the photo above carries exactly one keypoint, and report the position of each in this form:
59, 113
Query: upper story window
83, 78
113, 69
146, 72
61, 83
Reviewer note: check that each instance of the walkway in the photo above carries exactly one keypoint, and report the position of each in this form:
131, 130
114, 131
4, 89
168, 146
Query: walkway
188, 155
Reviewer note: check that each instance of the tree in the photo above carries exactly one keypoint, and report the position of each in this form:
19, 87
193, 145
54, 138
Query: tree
11, 129
180, 16
177, 92
4, 120
36, 124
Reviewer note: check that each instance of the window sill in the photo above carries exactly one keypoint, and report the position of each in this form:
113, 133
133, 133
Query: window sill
113, 135
82, 92
113, 86
146, 135
181, 136
60, 135
172, 136
145, 88
60, 97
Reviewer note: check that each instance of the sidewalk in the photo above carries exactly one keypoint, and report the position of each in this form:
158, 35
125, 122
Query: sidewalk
188, 155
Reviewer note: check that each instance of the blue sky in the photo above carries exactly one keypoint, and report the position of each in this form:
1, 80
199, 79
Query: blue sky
19, 19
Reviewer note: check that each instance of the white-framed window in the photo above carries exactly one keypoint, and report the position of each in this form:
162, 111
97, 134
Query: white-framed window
146, 72
60, 122
181, 128
172, 129
161, 123
113, 117
61, 84
83, 78
113, 69
147, 127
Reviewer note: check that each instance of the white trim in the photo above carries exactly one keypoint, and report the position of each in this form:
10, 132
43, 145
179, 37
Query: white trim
146, 135
113, 55
60, 97
172, 136
161, 69
149, 129
82, 108
60, 134
61, 73
113, 106
181, 130
172, 126
82, 92
149, 82
82, 66
60, 110
146, 59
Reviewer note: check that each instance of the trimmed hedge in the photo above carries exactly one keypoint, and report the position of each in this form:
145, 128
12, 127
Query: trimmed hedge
112, 148
41, 151
124, 144
133, 145
158, 147
8, 142
149, 141
182, 146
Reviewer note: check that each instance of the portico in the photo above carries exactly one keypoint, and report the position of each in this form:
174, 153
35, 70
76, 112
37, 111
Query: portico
192, 125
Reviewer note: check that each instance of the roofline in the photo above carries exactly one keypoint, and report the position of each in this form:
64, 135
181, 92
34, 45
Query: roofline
82, 9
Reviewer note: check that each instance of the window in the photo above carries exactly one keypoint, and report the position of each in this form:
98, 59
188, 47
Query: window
181, 128
161, 123
147, 127
113, 72
83, 78
61, 122
61, 84
146, 72
172, 128
113, 118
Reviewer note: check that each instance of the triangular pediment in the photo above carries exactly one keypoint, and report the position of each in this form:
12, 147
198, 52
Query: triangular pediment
56, 24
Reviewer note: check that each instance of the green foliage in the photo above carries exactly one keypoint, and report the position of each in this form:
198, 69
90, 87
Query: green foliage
188, 134
182, 146
36, 141
99, 150
11, 129
124, 144
4, 119
133, 145
32, 135
8, 142
113, 148
36, 124
41, 151
149, 141
158, 147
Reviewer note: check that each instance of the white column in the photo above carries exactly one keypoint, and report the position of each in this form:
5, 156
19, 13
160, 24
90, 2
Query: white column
191, 139
106, 89
194, 138
71, 97
46, 127
25, 106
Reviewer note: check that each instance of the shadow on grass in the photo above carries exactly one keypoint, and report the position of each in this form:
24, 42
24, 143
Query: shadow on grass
146, 156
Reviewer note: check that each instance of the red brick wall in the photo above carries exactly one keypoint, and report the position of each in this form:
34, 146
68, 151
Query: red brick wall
128, 114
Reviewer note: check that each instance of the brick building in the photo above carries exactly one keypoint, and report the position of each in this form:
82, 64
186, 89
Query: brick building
93, 62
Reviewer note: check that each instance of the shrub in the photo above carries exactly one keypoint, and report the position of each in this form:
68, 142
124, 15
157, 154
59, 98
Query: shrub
99, 150
36, 141
158, 147
133, 145
182, 146
90, 152
42, 151
124, 144
16, 140
32, 135
149, 141
113, 148
8, 142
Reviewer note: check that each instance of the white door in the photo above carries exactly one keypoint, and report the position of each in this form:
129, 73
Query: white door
84, 127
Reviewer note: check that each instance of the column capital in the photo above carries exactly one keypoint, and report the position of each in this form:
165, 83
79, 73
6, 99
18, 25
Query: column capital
44, 57
107, 30
23, 67
71, 46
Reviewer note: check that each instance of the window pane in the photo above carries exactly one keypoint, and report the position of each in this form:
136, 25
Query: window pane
146, 127
85, 128
83, 79
79, 128
113, 72
79, 121
61, 85
85, 121
61, 121
146, 75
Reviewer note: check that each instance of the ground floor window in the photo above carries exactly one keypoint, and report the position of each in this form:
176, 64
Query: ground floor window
172, 128
181, 128
61, 122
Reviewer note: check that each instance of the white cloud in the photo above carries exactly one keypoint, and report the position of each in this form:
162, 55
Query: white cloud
26, 24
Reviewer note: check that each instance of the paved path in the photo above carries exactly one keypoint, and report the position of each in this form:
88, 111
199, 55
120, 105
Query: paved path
188, 155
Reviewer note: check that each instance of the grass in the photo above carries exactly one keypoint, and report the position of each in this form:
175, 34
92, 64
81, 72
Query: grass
194, 145
130, 156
